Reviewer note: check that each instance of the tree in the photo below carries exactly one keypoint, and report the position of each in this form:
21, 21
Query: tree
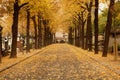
46, 32
0, 44
15, 28
35, 31
39, 30
82, 17
70, 35
89, 28
28, 32
108, 27
83, 30
40, 11
96, 31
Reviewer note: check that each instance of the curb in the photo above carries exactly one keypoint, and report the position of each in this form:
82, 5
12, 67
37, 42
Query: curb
7, 67
103, 64
117, 72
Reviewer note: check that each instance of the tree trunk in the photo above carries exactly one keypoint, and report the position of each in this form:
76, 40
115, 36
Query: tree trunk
108, 27
51, 38
54, 39
45, 33
35, 28
89, 29
76, 42
15, 30
47, 36
39, 32
96, 26
27, 32
80, 32
86, 39
0, 44
70, 36
83, 31
82, 37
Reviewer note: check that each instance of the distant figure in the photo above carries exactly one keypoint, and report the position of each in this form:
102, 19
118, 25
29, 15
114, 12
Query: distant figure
6, 44
21, 45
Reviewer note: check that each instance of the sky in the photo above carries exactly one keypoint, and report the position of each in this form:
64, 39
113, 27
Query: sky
102, 6
58, 34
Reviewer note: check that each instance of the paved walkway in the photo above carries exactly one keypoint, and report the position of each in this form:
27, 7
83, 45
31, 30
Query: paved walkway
59, 62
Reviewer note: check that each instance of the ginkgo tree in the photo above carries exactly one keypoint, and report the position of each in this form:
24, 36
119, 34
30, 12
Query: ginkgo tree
43, 18
34, 9
14, 6
108, 27
16, 9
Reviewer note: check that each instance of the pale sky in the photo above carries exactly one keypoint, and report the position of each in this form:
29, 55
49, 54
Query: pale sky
102, 6
59, 34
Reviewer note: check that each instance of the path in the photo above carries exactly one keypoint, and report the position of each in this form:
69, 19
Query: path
59, 62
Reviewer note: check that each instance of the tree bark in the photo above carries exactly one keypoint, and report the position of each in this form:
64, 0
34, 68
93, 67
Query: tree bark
39, 32
70, 36
49, 36
108, 27
15, 30
0, 44
79, 32
27, 32
45, 33
35, 31
96, 26
76, 41
82, 36
86, 39
89, 29
83, 30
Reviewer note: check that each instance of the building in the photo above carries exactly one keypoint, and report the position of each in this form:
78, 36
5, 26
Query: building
61, 37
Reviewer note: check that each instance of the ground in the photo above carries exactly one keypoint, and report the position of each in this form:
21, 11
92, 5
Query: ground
59, 62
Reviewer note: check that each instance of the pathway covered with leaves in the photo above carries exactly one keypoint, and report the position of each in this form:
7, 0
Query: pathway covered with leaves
59, 62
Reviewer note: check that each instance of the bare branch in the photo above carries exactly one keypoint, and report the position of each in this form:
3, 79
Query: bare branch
23, 5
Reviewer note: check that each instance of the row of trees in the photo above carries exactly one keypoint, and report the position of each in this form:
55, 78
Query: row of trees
34, 18
42, 18
86, 24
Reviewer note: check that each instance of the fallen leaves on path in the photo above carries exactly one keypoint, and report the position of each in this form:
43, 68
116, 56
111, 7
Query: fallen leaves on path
59, 62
